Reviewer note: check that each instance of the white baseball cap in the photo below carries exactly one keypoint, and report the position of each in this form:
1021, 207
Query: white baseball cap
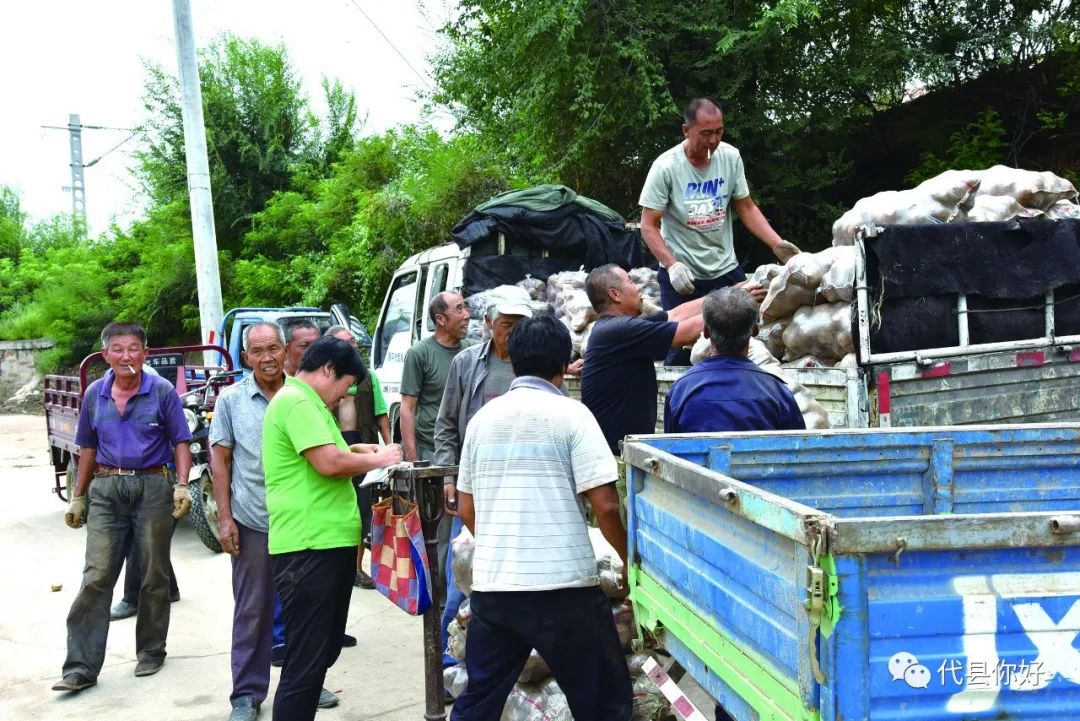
508, 300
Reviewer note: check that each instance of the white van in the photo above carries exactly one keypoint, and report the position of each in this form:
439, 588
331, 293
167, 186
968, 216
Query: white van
403, 319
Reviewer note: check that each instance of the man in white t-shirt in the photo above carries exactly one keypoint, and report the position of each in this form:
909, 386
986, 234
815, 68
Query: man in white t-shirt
685, 218
529, 458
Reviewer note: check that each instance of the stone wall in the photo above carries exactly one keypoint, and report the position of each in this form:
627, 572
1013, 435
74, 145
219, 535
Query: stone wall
20, 383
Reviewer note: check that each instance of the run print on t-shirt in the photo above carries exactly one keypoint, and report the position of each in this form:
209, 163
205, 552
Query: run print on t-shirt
706, 206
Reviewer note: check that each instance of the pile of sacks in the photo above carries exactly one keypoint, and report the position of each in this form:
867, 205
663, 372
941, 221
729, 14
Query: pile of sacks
536, 696
805, 321
996, 194
564, 294
477, 304
806, 314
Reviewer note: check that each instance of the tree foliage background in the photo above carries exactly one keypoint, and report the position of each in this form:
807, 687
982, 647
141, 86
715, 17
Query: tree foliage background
828, 100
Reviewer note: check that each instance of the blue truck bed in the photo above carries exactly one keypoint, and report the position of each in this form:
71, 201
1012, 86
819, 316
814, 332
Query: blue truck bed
908, 574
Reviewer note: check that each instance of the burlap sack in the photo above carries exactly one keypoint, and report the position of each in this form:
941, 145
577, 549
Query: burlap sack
838, 283
823, 331
1029, 188
1064, 209
814, 414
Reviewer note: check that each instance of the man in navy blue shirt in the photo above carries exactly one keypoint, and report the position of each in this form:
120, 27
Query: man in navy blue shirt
726, 391
619, 381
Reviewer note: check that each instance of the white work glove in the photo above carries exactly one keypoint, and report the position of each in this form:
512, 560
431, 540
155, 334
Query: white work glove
76, 512
682, 280
181, 498
785, 250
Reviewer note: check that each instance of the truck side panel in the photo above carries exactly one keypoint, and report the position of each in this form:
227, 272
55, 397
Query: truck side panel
1036, 387
952, 567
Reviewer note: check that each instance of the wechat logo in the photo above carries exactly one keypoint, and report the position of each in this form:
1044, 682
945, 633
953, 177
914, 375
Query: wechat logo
905, 667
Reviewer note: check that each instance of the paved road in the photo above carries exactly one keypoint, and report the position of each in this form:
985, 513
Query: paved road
381, 678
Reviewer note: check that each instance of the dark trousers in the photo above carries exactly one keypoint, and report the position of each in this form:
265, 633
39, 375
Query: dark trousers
253, 614
133, 577
315, 588
123, 511
670, 298
573, 631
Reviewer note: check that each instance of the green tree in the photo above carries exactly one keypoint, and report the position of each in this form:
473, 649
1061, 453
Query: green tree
259, 130
590, 92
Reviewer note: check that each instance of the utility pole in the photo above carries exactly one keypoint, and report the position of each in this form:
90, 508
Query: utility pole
202, 207
78, 181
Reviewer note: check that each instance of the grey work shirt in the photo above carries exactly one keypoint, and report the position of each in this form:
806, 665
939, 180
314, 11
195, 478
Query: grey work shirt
238, 424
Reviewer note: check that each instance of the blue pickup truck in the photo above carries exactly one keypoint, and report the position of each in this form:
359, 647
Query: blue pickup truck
230, 335
917, 574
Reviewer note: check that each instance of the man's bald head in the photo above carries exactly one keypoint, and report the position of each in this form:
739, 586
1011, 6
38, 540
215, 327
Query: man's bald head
440, 303
450, 315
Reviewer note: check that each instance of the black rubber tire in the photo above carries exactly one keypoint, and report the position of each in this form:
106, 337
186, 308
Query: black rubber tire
204, 512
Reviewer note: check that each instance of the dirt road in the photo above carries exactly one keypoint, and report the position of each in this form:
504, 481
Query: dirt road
381, 678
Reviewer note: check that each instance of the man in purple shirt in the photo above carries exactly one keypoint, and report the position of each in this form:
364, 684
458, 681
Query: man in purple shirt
131, 425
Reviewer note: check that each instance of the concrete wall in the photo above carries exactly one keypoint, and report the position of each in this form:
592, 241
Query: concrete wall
17, 369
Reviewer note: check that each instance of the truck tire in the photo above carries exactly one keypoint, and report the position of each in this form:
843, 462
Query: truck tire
204, 512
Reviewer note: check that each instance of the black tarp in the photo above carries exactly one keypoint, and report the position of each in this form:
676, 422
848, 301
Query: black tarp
915, 273
575, 234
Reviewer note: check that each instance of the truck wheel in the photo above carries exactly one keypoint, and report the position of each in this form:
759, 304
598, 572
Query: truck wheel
204, 512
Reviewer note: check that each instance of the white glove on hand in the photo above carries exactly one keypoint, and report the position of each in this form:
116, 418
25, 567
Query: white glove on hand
682, 280
181, 498
785, 250
76, 512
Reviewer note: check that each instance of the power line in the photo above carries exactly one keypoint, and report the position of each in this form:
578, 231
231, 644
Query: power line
100, 157
390, 42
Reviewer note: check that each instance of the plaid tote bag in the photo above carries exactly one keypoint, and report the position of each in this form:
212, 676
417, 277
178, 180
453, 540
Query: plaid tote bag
399, 562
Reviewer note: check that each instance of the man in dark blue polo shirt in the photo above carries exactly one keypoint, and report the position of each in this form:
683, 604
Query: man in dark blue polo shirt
619, 380
727, 391
131, 426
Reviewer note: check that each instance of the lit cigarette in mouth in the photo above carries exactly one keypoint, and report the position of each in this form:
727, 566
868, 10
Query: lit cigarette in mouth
708, 152
131, 369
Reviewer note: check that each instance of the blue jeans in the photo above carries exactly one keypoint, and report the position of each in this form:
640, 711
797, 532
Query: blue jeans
454, 596
278, 630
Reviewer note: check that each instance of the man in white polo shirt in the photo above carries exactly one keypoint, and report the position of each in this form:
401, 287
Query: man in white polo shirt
529, 458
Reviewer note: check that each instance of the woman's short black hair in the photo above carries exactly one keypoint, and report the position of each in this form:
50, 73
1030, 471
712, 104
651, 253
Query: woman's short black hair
340, 354
539, 346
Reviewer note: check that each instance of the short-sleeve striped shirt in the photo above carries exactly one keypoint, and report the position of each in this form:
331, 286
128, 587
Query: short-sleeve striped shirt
527, 457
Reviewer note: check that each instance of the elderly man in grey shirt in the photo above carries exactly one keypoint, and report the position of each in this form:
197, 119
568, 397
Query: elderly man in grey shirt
240, 492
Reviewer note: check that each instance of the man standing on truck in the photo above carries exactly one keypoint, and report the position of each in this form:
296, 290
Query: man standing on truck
314, 523
130, 427
240, 492
727, 391
531, 457
478, 375
618, 383
363, 418
299, 334
684, 212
